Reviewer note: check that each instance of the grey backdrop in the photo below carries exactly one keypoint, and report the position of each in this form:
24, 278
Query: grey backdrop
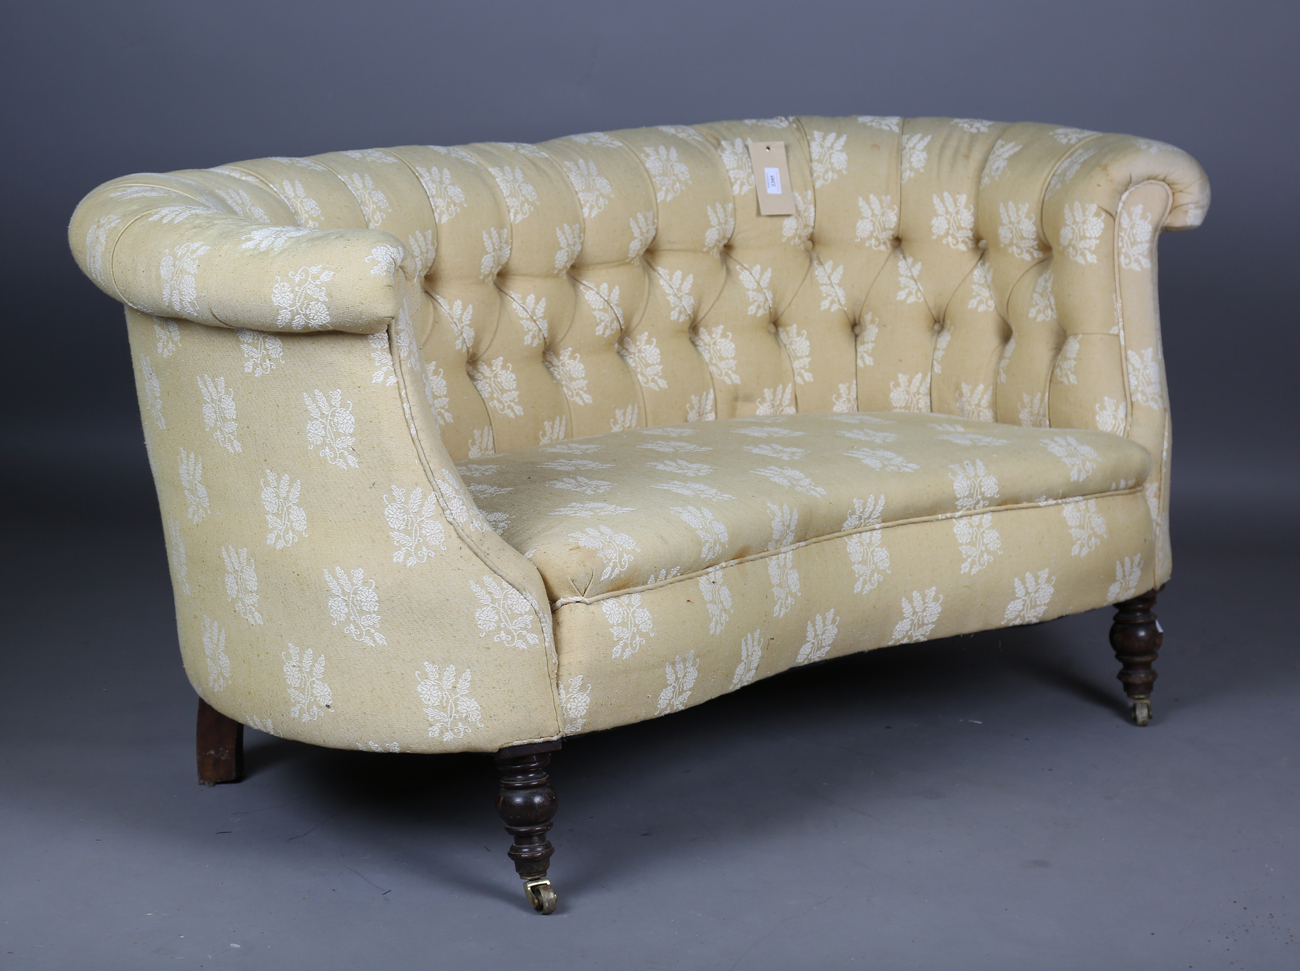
972, 803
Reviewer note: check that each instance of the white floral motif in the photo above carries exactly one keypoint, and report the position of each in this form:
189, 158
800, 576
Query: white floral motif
669, 173
867, 553
909, 285
1043, 302
196, 495
722, 223
973, 484
702, 407
386, 259
1082, 231
1018, 232
682, 467
331, 428
998, 158
271, 238
681, 675
717, 598
604, 304
914, 155
1063, 370
1112, 416
719, 352
168, 333
882, 460
629, 623
821, 635
495, 382
797, 228
481, 443
241, 583
712, 533
570, 238
1144, 378
423, 249
1080, 458
1033, 410
1135, 236
1128, 574
176, 543
461, 319
415, 525
614, 549
693, 490
785, 582
595, 138
286, 521
776, 401
496, 246
301, 300
878, 222
445, 196
751, 652
644, 226
642, 356
1071, 136
1031, 599
519, 195
566, 367
910, 393
214, 652
757, 283
975, 126
954, 221
447, 702
866, 333
575, 699
735, 157
308, 692
828, 277
681, 302
96, 241
786, 453
886, 122
178, 268
356, 601
981, 284
264, 352
531, 310
152, 391
505, 613
978, 540
829, 160
1087, 526
219, 412
374, 204
791, 479
975, 403
1068, 169
304, 206
593, 189
919, 617
940, 346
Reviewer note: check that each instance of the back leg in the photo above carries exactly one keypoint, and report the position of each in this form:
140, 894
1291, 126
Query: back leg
1136, 635
220, 747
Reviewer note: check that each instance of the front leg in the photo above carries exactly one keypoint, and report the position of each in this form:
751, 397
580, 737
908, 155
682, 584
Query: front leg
526, 803
1136, 635
220, 746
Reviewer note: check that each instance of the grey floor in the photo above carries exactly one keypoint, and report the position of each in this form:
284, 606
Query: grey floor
972, 803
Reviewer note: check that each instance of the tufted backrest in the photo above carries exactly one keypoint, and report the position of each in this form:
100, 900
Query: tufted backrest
605, 281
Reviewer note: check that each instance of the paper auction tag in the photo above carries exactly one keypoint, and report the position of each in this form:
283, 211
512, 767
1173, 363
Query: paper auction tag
772, 179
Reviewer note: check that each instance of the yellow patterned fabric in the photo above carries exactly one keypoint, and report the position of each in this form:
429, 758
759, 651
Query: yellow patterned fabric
317, 342
614, 512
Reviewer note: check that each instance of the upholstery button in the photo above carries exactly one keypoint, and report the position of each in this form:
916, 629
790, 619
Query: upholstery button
771, 327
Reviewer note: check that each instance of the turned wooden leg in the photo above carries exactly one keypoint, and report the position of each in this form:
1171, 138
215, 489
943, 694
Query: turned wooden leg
526, 804
1136, 637
220, 747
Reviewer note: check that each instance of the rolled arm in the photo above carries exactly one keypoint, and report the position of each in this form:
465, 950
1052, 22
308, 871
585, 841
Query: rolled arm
234, 257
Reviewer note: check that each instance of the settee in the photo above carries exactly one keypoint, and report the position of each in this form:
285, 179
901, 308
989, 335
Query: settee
478, 448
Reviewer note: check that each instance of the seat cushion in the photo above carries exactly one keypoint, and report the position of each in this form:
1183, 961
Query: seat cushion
621, 511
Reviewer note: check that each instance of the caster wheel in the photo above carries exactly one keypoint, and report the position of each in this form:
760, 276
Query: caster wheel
1141, 711
541, 895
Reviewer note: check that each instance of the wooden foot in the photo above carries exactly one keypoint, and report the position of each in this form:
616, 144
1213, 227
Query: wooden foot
220, 747
526, 804
1136, 635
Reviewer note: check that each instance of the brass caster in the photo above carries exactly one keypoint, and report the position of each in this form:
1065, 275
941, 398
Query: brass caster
1141, 711
541, 895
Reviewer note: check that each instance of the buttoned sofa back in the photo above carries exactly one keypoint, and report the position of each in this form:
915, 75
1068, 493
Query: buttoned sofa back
607, 281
